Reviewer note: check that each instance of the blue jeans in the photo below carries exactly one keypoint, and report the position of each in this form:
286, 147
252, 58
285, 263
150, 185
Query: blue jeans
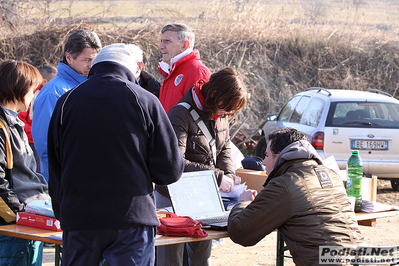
133, 246
20, 252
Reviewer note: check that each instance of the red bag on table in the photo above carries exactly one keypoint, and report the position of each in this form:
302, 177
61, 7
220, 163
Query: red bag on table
174, 225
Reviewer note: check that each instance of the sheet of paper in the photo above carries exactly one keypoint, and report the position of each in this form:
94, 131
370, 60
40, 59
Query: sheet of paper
371, 206
235, 193
331, 163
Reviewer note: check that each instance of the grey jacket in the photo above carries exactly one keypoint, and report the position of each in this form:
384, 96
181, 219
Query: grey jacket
295, 202
27, 184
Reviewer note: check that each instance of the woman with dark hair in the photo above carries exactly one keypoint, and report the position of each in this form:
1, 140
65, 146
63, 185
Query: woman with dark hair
22, 184
214, 101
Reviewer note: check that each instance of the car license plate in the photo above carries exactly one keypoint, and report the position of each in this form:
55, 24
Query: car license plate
369, 144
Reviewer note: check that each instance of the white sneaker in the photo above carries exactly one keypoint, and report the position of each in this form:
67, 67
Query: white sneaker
217, 242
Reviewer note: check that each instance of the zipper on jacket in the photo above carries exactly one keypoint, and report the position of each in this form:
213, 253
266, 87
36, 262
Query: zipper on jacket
205, 152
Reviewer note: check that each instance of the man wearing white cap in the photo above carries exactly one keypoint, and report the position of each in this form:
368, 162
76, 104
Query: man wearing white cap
143, 78
108, 141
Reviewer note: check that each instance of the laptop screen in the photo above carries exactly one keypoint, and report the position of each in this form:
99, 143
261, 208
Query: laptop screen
196, 194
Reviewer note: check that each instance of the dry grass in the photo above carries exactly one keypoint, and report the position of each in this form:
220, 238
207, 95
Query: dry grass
281, 48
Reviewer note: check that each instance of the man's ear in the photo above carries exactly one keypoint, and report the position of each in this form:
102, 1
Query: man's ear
140, 65
68, 58
44, 81
138, 70
186, 44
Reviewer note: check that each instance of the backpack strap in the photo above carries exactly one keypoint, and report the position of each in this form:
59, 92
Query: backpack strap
9, 160
202, 126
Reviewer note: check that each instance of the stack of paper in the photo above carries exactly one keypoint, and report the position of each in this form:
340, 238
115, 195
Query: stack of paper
40, 214
235, 192
40, 207
371, 206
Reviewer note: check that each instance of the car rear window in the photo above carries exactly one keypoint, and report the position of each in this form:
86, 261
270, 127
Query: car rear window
287, 109
312, 115
302, 110
363, 114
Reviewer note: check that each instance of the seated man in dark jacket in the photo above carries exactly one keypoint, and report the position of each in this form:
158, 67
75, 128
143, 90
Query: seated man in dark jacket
303, 199
109, 140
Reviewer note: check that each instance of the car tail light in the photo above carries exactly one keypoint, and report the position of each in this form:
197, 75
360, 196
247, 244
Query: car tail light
318, 140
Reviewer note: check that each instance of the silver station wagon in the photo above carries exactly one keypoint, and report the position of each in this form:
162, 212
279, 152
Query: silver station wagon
338, 121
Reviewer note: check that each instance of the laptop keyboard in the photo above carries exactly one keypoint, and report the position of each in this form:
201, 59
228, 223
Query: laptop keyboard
212, 220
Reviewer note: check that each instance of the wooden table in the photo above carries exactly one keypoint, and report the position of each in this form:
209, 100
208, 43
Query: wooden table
369, 219
32, 233
47, 236
170, 240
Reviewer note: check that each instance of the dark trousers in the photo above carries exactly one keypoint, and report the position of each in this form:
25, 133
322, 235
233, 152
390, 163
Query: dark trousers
133, 246
198, 253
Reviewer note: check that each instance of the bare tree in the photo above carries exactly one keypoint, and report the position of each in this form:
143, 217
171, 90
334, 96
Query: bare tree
9, 12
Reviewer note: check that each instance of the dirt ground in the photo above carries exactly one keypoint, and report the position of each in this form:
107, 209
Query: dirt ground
263, 254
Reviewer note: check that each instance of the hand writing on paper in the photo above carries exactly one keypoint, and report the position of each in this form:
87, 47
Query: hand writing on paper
227, 184
248, 194
237, 179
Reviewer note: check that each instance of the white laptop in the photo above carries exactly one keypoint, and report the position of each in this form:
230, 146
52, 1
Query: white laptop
196, 194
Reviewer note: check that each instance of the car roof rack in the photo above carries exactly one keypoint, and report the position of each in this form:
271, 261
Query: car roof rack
379, 92
318, 90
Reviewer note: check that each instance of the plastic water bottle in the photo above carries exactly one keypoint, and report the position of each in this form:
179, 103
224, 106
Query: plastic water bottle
354, 171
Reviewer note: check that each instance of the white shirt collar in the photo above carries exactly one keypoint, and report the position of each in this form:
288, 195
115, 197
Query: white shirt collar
180, 56
166, 67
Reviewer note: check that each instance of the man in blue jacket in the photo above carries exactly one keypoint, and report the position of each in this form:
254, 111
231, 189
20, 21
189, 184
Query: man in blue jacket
109, 140
80, 49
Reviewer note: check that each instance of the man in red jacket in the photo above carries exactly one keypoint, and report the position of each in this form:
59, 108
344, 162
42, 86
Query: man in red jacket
181, 65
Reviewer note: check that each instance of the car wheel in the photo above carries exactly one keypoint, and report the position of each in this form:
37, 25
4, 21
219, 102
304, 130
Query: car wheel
395, 184
260, 148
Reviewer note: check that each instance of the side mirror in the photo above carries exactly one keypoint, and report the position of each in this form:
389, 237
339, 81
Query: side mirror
271, 117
